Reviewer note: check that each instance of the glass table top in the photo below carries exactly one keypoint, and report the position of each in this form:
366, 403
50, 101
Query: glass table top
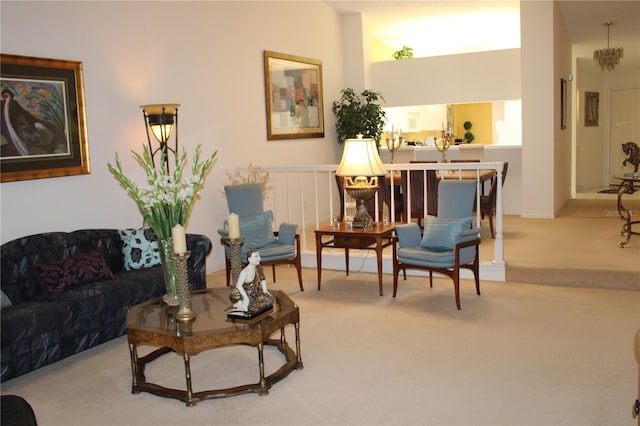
211, 315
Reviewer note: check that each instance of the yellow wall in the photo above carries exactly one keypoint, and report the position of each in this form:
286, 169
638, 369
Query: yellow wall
480, 117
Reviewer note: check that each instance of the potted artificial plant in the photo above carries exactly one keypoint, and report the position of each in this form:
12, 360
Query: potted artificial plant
405, 53
359, 114
468, 136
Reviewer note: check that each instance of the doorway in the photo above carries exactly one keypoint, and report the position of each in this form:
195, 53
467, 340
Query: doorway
624, 127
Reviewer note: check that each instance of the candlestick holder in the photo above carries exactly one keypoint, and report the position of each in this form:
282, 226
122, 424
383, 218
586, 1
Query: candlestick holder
393, 145
235, 245
184, 314
443, 145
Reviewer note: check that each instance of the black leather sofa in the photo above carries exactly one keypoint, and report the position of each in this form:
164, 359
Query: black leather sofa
40, 328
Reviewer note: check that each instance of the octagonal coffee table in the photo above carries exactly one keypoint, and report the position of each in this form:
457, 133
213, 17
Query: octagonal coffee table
153, 323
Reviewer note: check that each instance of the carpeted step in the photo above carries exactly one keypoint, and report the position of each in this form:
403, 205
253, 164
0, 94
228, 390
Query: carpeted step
621, 280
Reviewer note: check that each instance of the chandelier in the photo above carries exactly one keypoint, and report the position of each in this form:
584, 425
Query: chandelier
608, 58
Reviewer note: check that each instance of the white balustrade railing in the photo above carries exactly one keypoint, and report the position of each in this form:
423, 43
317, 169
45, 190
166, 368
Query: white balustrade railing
308, 196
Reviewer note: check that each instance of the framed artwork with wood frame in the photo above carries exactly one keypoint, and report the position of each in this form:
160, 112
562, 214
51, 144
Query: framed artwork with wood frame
563, 103
293, 91
591, 109
44, 130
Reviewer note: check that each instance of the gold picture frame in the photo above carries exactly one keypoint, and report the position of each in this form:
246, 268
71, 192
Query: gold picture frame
293, 91
44, 131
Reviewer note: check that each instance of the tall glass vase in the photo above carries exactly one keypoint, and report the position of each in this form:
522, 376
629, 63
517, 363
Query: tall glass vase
170, 273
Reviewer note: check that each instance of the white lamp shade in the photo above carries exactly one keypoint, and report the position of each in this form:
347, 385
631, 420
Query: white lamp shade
360, 158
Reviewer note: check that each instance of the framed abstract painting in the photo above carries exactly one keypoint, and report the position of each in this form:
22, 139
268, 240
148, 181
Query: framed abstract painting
44, 131
293, 89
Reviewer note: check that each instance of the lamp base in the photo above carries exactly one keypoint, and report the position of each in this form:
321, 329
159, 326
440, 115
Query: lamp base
362, 217
361, 193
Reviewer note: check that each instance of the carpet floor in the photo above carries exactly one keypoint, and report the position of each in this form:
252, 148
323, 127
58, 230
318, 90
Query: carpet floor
519, 354
578, 248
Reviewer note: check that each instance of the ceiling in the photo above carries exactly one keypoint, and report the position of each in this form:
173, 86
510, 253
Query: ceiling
446, 27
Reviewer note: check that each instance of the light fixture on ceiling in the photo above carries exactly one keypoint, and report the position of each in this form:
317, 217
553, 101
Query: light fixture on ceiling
161, 120
608, 58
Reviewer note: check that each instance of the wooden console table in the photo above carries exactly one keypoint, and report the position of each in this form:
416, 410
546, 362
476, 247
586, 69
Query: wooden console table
627, 187
377, 238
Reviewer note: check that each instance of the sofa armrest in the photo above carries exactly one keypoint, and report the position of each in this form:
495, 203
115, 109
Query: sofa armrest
200, 247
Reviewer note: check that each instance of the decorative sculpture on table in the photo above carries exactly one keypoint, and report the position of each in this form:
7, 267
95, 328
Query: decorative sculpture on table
254, 298
631, 149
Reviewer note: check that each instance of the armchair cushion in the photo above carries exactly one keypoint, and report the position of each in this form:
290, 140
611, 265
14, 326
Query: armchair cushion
257, 231
273, 252
468, 235
427, 257
287, 233
440, 234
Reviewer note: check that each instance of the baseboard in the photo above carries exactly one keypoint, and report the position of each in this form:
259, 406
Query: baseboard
365, 261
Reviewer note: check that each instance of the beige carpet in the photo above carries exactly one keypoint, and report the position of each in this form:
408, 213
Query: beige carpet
578, 248
520, 354
517, 355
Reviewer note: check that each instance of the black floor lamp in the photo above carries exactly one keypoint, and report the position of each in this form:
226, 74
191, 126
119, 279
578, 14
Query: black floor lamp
161, 120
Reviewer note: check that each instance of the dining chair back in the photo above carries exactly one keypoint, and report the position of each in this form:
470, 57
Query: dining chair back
413, 190
488, 202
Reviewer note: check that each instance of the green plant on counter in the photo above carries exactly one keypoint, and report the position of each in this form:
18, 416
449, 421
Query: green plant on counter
405, 53
468, 136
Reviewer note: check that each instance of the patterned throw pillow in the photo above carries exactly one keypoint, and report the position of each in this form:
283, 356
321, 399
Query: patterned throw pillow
72, 272
140, 248
440, 233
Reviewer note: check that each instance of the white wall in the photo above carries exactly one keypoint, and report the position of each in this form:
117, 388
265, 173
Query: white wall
472, 77
562, 138
539, 109
206, 56
590, 142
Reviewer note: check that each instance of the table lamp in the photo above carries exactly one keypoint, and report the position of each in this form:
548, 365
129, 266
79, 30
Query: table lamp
361, 166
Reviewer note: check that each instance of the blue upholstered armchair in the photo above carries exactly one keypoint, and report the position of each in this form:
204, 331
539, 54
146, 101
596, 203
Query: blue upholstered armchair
256, 228
450, 241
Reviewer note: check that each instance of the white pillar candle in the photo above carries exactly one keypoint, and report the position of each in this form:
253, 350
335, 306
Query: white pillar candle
179, 239
233, 225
